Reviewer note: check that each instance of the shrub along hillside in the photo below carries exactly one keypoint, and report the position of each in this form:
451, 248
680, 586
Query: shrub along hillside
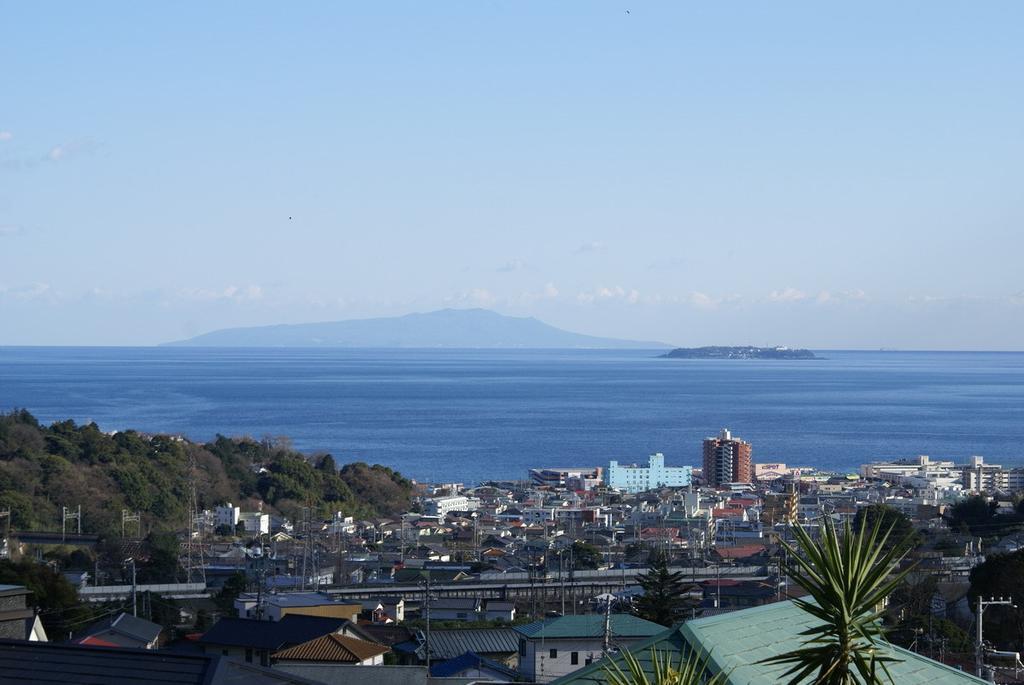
45, 467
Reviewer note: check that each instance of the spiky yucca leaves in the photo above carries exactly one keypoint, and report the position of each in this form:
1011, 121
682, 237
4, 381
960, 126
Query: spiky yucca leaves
848, 577
689, 670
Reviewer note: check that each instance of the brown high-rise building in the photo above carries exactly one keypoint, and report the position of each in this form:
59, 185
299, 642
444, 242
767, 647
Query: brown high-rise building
727, 460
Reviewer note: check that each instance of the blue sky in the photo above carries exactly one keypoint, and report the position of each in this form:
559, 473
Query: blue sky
724, 173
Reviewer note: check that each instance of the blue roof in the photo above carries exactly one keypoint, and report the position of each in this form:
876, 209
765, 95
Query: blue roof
453, 667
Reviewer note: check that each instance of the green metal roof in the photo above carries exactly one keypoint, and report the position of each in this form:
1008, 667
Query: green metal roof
738, 640
668, 641
591, 625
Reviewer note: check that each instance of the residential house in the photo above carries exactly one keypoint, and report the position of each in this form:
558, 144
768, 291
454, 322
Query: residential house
278, 605
122, 630
454, 609
255, 641
496, 610
497, 644
555, 647
334, 649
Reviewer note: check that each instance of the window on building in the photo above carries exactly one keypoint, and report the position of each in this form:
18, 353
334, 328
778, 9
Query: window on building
248, 655
553, 654
522, 648
574, 658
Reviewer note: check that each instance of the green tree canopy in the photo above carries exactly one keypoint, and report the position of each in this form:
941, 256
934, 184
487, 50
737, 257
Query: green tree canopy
664, 599
1001, 575
887, 517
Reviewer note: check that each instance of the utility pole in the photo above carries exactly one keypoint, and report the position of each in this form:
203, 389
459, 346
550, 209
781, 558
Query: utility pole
6, 513
307, 544
135, 604
606, 643
561, 578
718, 584
979, 644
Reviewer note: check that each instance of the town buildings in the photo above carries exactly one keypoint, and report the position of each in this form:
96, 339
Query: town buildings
944, 479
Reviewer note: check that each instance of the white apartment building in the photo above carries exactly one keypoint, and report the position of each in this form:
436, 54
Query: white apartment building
442, 506
919, 467
226, 515
640, 478
255, 522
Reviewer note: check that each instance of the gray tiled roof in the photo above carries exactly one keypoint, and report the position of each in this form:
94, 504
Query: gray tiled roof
448, 644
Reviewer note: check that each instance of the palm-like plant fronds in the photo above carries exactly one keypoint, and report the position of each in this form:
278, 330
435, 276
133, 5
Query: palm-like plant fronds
688, 670
848, 577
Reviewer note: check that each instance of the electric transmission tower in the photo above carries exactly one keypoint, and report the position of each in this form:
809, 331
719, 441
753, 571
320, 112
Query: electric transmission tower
68, 514
190, 556
128, 518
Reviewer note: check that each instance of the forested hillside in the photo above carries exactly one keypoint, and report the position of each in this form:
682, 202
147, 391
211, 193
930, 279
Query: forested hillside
43, 468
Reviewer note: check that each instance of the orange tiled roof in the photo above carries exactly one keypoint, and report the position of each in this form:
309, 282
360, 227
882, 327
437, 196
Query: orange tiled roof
335, 648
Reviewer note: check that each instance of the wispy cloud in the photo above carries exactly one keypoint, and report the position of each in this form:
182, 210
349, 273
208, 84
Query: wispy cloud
480, 297
589, 248
609, 294
787, 295
835, 297
231, 293
706, 301
10, 229
32, 292
5, 136
66, 151
528, 297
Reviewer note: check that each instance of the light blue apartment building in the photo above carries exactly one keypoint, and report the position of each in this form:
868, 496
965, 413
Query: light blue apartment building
637, 478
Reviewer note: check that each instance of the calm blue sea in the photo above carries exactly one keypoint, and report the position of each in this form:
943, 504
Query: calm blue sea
469, 415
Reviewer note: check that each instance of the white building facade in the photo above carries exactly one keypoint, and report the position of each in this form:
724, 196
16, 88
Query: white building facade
637, 478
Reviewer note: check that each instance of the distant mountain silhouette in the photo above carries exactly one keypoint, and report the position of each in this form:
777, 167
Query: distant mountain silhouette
453, 328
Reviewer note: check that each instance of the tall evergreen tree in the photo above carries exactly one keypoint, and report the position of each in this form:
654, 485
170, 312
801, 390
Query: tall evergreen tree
663, 600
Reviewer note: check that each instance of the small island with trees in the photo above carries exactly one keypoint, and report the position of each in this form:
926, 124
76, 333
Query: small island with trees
742, 352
